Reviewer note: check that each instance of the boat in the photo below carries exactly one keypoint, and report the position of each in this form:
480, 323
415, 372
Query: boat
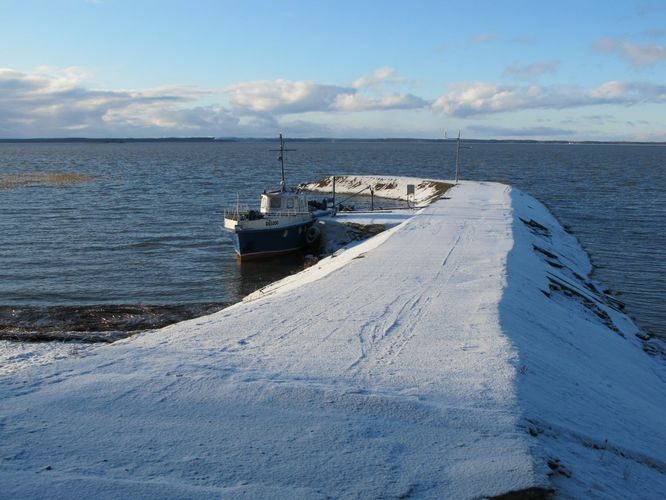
283, 224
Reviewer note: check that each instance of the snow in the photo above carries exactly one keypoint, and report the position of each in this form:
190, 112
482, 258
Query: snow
346, 229
15, 356
434, 360
426, 190
387, 218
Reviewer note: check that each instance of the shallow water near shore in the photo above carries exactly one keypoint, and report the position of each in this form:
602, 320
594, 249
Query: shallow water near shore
117, 237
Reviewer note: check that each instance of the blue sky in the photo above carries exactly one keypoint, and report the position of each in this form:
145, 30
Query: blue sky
513, 69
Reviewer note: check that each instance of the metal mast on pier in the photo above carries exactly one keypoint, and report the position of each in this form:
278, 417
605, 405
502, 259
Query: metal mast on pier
457, 156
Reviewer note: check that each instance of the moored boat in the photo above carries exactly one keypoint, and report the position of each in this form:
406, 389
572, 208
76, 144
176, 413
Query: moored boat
283, 223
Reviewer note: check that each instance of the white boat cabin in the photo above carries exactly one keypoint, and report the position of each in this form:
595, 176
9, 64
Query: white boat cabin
283, 202
277, 209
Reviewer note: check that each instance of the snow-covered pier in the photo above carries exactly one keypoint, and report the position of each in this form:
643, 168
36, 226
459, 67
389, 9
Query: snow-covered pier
463, 353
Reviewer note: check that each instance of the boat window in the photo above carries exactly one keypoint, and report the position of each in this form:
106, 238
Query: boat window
290, 203
276, 202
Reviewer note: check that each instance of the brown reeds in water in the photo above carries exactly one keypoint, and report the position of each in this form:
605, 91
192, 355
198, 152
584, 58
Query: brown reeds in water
22, 179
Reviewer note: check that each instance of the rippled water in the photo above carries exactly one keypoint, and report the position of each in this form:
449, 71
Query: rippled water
139, 223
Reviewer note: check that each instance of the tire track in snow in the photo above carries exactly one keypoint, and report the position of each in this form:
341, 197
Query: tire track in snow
386, 336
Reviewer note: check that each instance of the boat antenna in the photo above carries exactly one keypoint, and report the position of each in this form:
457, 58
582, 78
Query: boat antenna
282, 150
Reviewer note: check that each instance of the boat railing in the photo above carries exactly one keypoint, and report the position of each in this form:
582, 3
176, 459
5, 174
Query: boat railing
284, 213
247, 214
239, 212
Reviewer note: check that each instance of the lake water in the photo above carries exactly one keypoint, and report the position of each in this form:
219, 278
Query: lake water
131, 238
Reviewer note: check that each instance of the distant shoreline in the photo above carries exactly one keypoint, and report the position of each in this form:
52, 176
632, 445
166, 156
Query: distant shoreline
119, 140
112, 139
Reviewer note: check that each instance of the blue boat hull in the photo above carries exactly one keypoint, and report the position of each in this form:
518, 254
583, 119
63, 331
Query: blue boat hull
259, 243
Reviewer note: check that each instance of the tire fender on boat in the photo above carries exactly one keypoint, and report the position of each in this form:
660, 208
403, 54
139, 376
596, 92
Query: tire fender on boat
312, 235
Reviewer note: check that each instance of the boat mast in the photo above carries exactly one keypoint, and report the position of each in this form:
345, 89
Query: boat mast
282, 150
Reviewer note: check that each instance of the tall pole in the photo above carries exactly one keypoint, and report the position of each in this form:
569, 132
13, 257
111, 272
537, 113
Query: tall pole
457, 156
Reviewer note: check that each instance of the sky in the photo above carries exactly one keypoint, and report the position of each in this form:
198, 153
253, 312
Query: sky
566, 70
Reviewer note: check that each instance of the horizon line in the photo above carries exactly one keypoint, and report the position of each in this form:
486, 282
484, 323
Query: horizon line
313, 139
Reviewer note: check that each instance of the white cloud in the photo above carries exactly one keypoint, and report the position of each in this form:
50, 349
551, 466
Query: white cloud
378, 79
635, 55
199, 118
55, 102
289, 97
529, 71
465, 99
629, 93
610, 90
477, 98
358, 102
284, 96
